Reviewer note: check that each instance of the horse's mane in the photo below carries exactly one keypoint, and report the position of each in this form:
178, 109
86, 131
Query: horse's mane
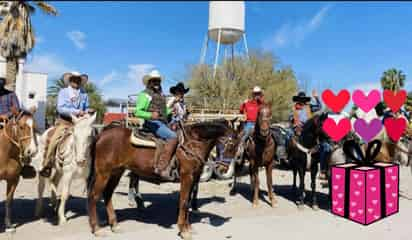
208, 129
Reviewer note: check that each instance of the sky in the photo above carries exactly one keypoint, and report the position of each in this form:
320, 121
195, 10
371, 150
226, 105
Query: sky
333, 45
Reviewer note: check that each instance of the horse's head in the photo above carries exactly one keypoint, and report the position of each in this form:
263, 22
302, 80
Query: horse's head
83, 136
231, 139
25, 134
263, 119
21, 128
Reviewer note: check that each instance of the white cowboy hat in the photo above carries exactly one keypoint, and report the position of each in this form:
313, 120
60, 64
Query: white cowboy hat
83, 77
257, 89
153, 74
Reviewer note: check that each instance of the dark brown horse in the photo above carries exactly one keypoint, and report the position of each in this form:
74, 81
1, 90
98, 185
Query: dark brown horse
113, 154
302, 154
17, 144
260, 150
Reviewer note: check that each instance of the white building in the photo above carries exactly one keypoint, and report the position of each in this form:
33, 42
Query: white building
31, 89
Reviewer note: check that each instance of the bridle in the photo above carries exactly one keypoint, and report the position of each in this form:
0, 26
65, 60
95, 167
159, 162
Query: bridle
14, 126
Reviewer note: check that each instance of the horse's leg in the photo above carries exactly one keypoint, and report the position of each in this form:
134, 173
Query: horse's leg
186, 182
39, 202
97, 186
313, 173
134, 197
233, 189
65, 193
295, 172
138, 196
254, 170
194, 199
301, 192
107, 196
11, 188
269, 182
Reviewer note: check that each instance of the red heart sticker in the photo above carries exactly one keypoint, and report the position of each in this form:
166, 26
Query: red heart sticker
394, 100
336, 103
336, 131
395, 127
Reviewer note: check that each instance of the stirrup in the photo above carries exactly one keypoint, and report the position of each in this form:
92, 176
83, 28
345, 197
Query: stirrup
45, 172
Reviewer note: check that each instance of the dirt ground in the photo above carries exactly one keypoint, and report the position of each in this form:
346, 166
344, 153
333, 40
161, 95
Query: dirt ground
220, 217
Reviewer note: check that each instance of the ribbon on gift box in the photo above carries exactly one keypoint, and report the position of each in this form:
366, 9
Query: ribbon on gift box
350, 147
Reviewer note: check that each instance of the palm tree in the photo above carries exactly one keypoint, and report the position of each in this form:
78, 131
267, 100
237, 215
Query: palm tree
393, 79
17, 37
95, 99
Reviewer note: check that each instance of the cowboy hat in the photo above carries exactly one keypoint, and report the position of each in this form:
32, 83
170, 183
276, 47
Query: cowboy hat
257, 89
69, 75
152, 75
301, 97
180, 87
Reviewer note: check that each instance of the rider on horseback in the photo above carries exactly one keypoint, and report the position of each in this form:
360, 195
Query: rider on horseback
177, 104
71, 100
9, 102
151, 106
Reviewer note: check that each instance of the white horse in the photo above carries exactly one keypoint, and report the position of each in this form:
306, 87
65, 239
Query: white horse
72, 161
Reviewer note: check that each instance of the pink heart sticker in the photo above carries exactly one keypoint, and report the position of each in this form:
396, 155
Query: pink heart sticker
366, 103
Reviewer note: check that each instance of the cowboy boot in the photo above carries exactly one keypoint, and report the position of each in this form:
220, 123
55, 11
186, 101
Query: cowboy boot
163, 166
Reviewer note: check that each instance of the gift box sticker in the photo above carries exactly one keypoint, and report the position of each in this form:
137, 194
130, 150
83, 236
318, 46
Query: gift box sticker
364, 191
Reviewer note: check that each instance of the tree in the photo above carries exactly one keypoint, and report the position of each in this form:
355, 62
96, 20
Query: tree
408, 103
234, 81
17, 37
95, 100
393, 79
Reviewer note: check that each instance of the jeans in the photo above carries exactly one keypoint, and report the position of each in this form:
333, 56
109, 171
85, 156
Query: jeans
324, 150
160, 129
248, 129
289, 134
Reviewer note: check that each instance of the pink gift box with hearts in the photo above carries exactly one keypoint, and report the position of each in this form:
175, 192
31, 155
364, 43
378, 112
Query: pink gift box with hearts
364, 192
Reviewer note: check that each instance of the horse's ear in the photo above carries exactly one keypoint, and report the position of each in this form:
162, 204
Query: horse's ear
74, 119
93, 118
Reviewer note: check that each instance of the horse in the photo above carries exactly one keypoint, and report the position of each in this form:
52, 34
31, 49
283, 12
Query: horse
259, 150
72, 161
113, 154
18, 143
301, 154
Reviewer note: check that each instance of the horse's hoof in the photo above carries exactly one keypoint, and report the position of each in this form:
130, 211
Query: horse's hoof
255, 205
11, 230
186, 235
132, 204
100, 233
315, 207
274, 204
62, 221
301, 207
116, 229
232, 192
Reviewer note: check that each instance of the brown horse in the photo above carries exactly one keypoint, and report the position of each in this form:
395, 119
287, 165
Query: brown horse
113, 154
260, 150
18, 143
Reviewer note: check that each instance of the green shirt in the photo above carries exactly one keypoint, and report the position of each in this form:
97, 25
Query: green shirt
142, 105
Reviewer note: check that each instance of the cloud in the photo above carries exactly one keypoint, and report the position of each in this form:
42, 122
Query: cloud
120, 85
294, 34
47, 63
109, 78
78, 38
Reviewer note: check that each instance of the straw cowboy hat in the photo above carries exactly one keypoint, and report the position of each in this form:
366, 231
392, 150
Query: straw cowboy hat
301, 97
68, 76
257, 89
154, 74
180, 87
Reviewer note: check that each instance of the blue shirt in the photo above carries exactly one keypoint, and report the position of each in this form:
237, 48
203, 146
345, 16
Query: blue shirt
67, 105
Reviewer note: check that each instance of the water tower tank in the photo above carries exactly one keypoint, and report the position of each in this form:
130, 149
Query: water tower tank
229, 18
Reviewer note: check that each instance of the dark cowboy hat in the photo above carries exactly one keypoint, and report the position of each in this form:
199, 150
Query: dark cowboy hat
180, 87
301, 97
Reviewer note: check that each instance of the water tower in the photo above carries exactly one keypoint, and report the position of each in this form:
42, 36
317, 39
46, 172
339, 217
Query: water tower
226, 28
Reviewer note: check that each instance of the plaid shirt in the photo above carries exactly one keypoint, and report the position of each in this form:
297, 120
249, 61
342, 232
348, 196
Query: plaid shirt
7, 101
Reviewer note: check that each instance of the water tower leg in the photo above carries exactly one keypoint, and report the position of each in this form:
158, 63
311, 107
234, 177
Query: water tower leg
217, 52
245, 42
204, 49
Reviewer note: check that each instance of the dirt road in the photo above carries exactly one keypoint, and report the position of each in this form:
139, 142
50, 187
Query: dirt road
221, 216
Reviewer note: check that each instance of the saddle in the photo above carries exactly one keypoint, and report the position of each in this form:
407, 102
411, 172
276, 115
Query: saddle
143, 138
